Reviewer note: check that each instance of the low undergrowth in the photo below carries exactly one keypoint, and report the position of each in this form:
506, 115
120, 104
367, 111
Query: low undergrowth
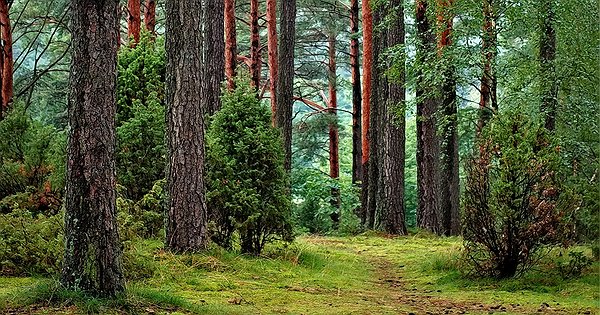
369, 274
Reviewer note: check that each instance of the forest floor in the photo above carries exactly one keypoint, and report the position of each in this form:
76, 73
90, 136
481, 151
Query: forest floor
369, 274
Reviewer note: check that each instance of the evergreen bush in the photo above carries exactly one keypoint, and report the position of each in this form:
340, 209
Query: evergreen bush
248, 188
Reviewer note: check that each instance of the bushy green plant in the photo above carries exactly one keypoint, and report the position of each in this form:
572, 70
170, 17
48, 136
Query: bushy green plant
512, 202
30, 244
248, 186
33, 164
143, 218
575, 265
141, 152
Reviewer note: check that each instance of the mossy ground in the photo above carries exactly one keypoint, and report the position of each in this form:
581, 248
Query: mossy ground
367, 274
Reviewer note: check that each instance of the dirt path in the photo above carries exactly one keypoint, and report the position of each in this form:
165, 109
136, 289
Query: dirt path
394, 291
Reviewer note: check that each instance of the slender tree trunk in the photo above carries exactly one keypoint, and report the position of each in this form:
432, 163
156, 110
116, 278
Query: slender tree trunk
92, 260
488, 103
214, 55
134, 20
547, 64
272, 50
150, 16
334, 137
285, 79
7, 52
427, 140
367, 20
449, 175
255, 58
394, 126
356, 94
186, 228
230, 44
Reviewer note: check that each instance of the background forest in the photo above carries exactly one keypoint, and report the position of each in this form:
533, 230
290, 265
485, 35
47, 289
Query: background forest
458, 138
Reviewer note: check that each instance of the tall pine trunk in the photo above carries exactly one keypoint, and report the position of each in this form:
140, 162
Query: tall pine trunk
186, 227
272, 52
367, 20
255, 56
285, 79
393, 156
230, 44
428, 158
92, 260
214, 55
150, 16
7, 55
549, 102
334, 137
488, 103
356, 93
449, 175
134, 20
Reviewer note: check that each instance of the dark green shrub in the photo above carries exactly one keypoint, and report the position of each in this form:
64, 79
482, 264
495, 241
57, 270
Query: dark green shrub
30, 244
248, 186
512, 202
33, 164
141, 116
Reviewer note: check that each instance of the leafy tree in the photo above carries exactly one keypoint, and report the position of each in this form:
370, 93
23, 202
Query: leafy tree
247, 181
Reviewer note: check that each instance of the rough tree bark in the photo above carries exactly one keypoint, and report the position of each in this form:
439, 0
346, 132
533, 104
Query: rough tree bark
334, 137
272, 52
449, 163
230, 44
488, 103
92, 260
186, 205
7, 55
427, 141
367, 21
134, 20
356, 94
393, 156
549, 102
285, 81
214, 55
150, 16
255, 57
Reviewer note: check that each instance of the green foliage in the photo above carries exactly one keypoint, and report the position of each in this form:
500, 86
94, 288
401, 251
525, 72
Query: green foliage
313, 207
141, 153
30, 244
575, 266
32, 174
514, 202
143, 218
248, 186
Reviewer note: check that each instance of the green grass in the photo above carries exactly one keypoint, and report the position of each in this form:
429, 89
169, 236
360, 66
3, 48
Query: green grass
367, 274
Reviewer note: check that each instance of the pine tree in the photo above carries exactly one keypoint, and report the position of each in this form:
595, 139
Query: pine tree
92, 249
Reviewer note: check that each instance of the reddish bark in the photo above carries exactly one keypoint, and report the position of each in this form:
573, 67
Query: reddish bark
356, 93
230, 43
367, 75
367, 16
7, 55
255, 64
334, 137
272, 48
150, 16
134, 20
449, 175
